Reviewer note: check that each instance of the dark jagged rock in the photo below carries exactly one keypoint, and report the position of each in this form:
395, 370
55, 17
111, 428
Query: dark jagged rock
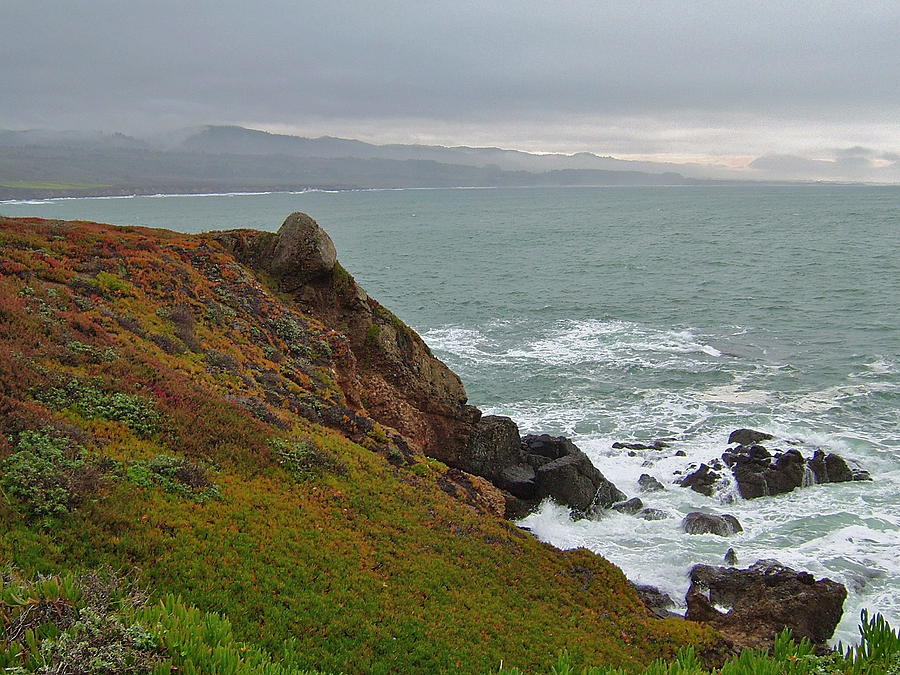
657, 445
574, 481
748, 437
520, 480
631, 507
681, 453
702, 480
860, 474
655, 600
494, 446
652, 514
757, 477
703, 523
764, 599
566, 474
838, 470
648, 483
730, 557
759, 473
817, 467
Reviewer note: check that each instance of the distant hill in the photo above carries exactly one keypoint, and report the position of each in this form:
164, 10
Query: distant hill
242, 141
211, 159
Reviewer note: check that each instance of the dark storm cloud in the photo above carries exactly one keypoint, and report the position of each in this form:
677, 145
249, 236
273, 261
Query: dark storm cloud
536, 66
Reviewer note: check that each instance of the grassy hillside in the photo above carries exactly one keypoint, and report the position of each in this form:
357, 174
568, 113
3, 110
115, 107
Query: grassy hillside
165, 410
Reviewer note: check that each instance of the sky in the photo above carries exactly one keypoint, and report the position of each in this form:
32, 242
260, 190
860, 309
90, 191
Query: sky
799, 89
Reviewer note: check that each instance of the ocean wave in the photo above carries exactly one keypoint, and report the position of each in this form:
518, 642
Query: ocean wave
578, 343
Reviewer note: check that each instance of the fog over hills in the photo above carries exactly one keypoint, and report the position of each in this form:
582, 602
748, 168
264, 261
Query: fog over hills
238, 140
211, 159
218, 158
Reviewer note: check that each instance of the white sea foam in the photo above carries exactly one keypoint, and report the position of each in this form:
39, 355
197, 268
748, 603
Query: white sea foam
577, 343
732, 393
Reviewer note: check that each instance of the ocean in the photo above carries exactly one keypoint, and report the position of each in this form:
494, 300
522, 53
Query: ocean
631, 314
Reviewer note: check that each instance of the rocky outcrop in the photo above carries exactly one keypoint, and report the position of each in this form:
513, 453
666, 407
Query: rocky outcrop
648, 483
631, 507
764, 599
547, 466
759, 472
302, 251
658, 602
748, 437
708, 523
657, 445
389, 374
652, 514
702, 480
494, 449
566, 474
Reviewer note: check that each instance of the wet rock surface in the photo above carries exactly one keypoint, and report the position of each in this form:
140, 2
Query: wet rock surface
707, 523
534, 467
648, 483
658, 602
652, 514
764, 599
748, 437
567, 475
656, 445
702, 480
631, 507
759, 471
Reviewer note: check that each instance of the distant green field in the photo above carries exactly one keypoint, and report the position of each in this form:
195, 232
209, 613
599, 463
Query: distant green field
40, 185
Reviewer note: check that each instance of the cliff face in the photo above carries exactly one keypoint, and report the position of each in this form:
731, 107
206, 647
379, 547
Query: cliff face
391, 374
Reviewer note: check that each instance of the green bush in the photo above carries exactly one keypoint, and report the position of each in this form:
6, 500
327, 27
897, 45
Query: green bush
111, 283
95, 354
303, 459
288, 329
47, 475
134, 411
174, 475
101, 644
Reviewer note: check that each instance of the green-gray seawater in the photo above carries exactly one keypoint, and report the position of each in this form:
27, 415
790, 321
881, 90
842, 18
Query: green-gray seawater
635, 313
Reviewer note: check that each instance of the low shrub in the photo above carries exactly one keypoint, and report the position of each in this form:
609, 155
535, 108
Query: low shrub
111, 283
136, 412
48, 475
102, 645
92, 353
175, 475
303, 459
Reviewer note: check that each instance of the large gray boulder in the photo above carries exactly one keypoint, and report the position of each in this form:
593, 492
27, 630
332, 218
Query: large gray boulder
302, 251
708, 523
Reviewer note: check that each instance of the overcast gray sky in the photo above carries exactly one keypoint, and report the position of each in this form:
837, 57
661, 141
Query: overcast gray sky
711, 81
